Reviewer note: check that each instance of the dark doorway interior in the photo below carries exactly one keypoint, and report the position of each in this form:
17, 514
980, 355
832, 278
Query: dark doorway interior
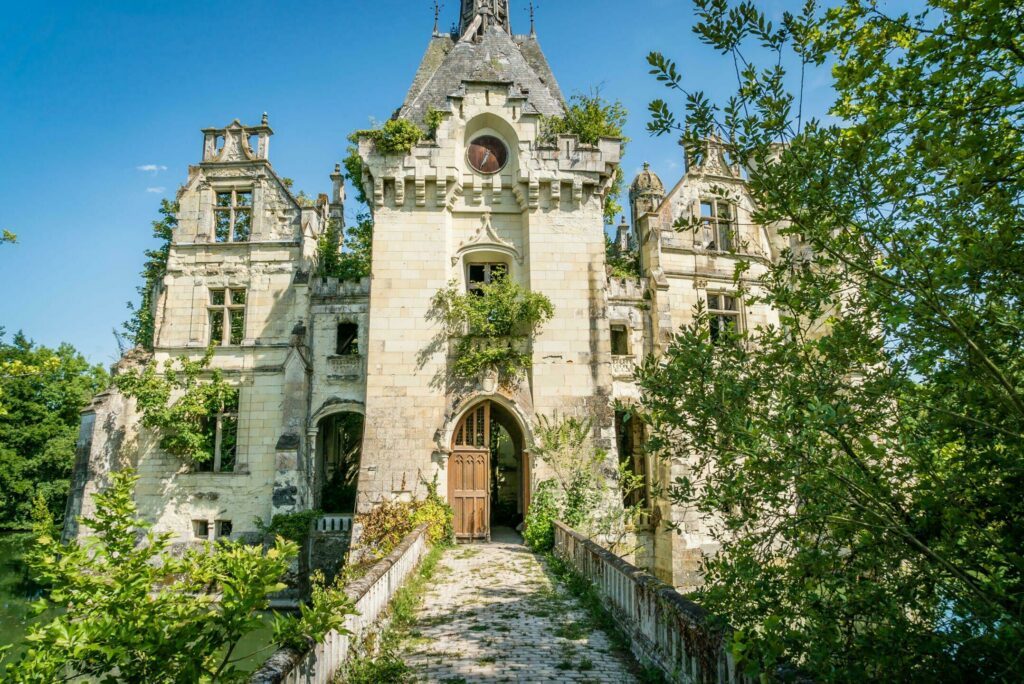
340, 439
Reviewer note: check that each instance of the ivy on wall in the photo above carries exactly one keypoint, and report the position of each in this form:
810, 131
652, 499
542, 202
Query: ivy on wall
185, 424
491, 325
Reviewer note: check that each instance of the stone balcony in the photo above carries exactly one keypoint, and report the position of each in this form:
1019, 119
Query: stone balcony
624, 367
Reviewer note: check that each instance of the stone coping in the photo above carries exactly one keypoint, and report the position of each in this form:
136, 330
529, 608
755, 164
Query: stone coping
284, 660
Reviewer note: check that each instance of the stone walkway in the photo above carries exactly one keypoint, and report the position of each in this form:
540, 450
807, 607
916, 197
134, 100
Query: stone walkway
494, 615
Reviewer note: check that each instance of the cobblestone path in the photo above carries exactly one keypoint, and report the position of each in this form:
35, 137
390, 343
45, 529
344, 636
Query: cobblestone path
494, 615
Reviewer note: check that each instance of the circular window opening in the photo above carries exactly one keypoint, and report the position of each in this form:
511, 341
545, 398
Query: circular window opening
487, 154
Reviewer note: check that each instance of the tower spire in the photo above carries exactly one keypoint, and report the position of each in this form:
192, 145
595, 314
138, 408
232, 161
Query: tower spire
490, 12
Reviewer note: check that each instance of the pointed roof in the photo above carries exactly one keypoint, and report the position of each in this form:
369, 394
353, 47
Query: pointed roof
495, 56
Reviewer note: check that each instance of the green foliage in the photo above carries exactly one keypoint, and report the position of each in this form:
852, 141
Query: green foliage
434, 119
860, 465
291, 526
590, 117
140, 328
353, 163
42, 391
347, 256
8, 237
133, 611
622, 264
396, 137
389, 522
179, 405
545, 509
326, 611
492, 328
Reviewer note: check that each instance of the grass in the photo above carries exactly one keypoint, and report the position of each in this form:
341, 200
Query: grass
387, 667
593, 603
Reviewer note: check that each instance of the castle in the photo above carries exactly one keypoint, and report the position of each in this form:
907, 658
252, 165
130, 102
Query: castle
340, 403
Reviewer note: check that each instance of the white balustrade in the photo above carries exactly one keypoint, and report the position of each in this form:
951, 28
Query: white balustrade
334, 523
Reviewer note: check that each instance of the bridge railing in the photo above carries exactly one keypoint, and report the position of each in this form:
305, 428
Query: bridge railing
333, 523
664, 628
371, 595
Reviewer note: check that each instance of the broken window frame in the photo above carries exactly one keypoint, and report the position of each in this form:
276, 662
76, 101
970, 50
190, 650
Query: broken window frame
719, 224
620, 329
723, 309
492, 271
230, 310
232, 213
630, 436
225, 441
347, 343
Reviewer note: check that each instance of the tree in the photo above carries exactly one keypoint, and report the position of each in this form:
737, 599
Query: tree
141, 327
42, 391
590, 117
861, 464
134, 612
8, 236
346, 254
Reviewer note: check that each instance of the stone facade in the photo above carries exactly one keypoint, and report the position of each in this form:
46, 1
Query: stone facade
241, 268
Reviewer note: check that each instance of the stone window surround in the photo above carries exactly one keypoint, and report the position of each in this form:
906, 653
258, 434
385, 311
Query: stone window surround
226, 310
738, 314
234, 187
627, 332
715, 223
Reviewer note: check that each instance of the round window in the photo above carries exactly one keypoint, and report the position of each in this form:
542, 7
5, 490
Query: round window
487, 154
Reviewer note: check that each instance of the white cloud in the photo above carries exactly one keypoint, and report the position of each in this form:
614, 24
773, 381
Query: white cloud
156, 190
151, 168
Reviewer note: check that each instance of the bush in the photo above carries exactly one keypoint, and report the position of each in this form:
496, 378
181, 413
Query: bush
291, 526
545, 509
390, 522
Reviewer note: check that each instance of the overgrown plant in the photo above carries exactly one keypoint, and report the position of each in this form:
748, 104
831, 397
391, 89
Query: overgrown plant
140, 328
290, 526
130, 610
622, 264
7, 237
180, 405
396, 137
860, 465
492, 327
346, 254
590, 117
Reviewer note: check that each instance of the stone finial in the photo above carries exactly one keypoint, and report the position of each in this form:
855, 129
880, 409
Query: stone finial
266, 119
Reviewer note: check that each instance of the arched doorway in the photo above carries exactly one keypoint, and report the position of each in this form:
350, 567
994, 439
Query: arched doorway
488, 472
339, 446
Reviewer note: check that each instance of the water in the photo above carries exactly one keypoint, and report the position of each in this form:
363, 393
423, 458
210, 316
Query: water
17, 592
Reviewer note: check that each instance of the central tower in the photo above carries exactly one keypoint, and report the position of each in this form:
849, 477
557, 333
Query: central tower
491, 13
488, 193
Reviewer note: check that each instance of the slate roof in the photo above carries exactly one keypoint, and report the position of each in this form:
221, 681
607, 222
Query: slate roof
498, 58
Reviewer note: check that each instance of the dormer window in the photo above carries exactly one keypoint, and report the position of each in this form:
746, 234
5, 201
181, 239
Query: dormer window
479, 275
719, 222
233, 216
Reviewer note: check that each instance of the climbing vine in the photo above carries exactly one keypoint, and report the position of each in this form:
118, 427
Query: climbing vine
186, 424
590, 117
491, 326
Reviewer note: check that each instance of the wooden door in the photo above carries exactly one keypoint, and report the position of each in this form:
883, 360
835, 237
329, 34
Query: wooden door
469, 475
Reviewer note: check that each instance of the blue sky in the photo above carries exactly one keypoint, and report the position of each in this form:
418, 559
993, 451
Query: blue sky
101, 104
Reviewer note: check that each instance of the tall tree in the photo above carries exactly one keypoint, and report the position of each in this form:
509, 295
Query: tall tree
862, 464
41, 392
141, 327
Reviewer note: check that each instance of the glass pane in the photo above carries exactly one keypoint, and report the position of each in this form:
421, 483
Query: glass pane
217, 297
222, 225
724, 210
707, 210
228, 443
237, 326
725, 237
238, 297
714, 302
243, 225
730, 303
217, 327
223, 199
243, 199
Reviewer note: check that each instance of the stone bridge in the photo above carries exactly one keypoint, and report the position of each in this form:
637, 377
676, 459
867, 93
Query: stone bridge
494, 612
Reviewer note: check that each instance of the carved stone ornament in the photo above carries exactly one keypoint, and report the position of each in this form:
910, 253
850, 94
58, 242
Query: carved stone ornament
487, 237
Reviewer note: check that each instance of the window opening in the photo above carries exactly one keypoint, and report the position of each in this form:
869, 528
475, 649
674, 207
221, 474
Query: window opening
719, 226
348, 339
620, 340
629, 433
223, 529
484, 274
723, 315
227, 316
200, 529
221, 432
233, 216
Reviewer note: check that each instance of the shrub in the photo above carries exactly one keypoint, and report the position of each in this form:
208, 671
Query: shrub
291, 526
545, 509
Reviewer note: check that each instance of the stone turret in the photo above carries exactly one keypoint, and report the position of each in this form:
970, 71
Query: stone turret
489, 12
646, 193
